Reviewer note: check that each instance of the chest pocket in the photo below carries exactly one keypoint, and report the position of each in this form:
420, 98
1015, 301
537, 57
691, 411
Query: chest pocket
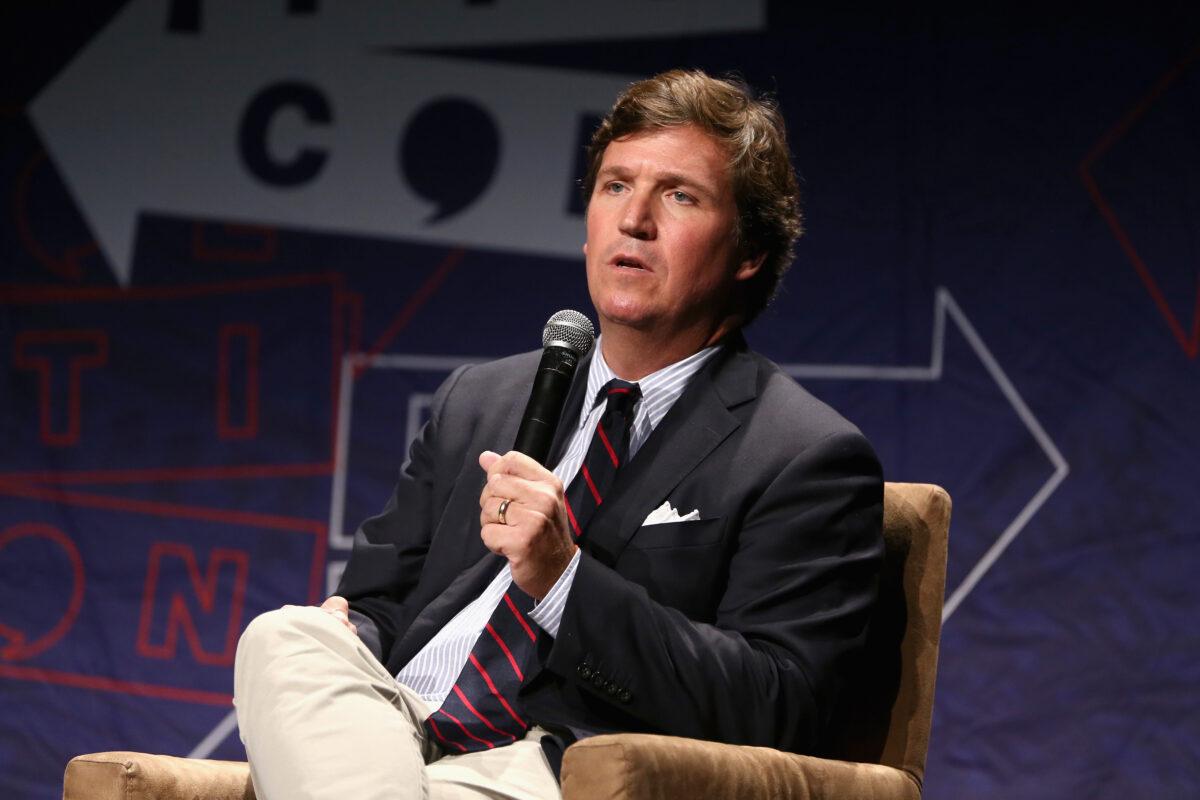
680, 564
693, 533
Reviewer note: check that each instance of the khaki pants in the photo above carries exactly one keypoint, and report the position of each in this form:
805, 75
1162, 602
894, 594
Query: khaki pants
322, 718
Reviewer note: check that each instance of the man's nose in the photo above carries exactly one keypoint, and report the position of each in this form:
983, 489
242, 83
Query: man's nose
637, 220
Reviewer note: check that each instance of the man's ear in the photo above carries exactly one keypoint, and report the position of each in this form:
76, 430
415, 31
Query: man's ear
585, 249
748, 268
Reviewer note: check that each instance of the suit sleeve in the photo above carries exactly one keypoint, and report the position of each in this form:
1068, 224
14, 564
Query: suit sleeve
801, 581
390, 548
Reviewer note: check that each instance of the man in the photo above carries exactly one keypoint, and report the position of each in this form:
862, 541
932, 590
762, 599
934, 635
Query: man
714, 584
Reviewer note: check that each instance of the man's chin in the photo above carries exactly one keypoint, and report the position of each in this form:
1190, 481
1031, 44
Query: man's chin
632, 318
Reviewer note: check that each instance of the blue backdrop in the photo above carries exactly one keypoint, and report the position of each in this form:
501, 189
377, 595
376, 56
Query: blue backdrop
244, 242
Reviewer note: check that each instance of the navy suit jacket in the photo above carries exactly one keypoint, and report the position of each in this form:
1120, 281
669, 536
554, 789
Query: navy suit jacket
735, 627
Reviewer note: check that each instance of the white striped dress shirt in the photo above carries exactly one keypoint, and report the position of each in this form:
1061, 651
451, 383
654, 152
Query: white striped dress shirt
433, 671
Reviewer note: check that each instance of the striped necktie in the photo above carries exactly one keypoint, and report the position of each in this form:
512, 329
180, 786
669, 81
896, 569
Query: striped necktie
607, 452
482, 710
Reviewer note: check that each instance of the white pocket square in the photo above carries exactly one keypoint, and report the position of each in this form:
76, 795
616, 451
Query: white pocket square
666, 513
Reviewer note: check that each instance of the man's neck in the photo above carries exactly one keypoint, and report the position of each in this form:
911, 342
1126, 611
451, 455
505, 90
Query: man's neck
633, 354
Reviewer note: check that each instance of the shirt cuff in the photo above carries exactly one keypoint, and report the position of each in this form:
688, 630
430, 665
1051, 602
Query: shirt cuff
548, 613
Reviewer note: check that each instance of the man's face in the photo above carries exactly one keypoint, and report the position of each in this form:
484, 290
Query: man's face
660, 248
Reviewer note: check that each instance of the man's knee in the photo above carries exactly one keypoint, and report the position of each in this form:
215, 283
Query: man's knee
268, 634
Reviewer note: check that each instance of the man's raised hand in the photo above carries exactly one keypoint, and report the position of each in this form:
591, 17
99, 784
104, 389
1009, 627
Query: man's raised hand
534, 535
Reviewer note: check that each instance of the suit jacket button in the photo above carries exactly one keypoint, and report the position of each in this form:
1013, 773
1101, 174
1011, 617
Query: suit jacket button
625, 696
584, 671
598, 680
612, 689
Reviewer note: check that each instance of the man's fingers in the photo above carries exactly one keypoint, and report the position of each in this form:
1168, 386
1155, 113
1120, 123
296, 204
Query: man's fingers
487, 458
541, 495
518, 478
510, 541
489, 510
338, 608
514, 463
495, 538
501, 485
336, 603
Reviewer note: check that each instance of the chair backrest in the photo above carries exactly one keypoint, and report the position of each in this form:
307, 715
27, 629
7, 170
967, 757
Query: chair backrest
888, 706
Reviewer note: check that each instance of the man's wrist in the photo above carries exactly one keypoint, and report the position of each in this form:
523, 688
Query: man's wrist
547, 613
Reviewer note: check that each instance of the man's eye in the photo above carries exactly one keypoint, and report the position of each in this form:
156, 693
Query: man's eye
615, 187
681, 197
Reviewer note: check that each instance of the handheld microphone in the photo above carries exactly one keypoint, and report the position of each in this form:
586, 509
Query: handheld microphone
567, 337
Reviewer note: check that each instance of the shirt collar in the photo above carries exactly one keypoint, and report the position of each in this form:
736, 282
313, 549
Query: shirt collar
660, 389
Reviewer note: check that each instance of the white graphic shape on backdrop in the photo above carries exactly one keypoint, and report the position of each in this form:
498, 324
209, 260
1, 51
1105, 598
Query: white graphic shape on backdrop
945, 306
147, 120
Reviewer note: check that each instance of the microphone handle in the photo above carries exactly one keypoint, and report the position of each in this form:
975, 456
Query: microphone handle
544, 409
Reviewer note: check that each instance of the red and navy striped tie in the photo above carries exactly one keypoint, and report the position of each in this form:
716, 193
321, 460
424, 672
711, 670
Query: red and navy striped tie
482, 710
606, 454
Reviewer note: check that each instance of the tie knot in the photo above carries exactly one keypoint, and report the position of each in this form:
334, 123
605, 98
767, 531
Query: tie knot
620, 396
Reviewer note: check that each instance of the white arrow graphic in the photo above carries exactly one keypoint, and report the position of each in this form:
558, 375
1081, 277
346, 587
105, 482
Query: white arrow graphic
149, 120
945, 306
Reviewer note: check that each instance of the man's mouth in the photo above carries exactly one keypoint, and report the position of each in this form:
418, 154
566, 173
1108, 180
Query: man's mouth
628, 262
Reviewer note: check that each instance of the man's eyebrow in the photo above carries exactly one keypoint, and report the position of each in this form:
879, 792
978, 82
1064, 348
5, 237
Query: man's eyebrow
612, 170
679, 179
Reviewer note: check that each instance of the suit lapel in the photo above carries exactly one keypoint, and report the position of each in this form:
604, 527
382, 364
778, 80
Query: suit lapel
699, 421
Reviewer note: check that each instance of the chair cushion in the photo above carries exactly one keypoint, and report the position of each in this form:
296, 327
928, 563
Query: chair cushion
141, 776
634, 766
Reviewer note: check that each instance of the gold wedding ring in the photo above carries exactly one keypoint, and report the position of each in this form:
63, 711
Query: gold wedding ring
503, 509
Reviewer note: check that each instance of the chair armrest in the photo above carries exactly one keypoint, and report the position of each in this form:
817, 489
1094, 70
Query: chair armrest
634, 766
141, 776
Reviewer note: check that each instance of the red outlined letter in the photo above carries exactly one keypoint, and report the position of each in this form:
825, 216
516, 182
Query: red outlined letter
48, 352
18, 646
237, 377
203, 590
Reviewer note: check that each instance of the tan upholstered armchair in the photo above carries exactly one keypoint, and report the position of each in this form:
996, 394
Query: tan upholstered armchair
876, 751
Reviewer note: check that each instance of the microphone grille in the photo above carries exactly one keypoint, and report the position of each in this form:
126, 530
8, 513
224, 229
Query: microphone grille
571, 330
